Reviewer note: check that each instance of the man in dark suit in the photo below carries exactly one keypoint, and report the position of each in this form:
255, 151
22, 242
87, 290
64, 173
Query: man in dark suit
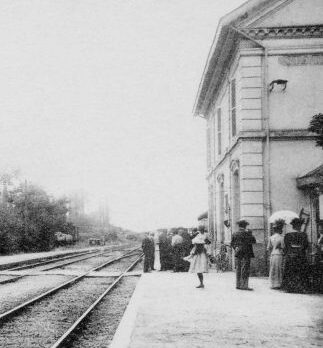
147, 250
242, 244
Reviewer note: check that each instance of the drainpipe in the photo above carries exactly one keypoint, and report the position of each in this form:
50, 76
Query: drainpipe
265, 108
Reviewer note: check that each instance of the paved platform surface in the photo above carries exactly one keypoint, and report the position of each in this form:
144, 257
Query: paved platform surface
167, 311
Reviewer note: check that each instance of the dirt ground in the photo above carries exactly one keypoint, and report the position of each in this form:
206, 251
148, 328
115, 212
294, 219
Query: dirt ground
168, 311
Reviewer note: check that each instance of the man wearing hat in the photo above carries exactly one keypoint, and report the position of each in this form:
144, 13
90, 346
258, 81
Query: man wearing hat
242, 244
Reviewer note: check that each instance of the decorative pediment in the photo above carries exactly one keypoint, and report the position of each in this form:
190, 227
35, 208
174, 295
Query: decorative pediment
290, 13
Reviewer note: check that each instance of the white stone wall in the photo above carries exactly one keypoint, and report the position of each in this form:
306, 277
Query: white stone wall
289, 160
252, 186
250, 93
294, 107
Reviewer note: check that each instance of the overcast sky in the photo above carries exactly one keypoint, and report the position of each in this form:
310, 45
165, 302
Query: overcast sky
98, 95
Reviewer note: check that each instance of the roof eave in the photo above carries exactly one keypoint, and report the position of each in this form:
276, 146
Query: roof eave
312, 179
234, 18
200, 105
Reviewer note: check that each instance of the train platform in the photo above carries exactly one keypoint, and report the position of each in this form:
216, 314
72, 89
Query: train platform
167, 311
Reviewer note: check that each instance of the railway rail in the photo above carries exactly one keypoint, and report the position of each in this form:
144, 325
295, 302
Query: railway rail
54, 317
61, 342
62, 262
46, 262
6, 315
39, 264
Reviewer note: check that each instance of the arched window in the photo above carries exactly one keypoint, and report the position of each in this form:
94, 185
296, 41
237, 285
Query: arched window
220, 180
235, 192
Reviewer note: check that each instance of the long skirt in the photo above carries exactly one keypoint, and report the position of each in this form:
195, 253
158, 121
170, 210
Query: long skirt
157, 265
199, 263
295, 274
276, 271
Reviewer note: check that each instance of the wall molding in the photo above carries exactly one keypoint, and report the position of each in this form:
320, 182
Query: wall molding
293, 32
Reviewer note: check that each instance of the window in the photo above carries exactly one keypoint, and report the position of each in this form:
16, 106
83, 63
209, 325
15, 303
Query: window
208, 147
213, 136
233, 108
219, 131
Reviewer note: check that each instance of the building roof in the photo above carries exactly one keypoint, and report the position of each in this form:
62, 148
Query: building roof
224, 45
203, 216
311, 179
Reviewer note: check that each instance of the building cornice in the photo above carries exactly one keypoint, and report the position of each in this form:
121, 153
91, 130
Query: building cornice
274, 135
291, 134
290, 32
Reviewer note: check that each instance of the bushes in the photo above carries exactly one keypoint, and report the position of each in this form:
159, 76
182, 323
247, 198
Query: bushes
29, 220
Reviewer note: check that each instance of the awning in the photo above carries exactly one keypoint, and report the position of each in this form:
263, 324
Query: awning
312, 179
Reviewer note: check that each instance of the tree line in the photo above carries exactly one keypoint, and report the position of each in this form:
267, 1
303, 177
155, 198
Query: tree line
29, 218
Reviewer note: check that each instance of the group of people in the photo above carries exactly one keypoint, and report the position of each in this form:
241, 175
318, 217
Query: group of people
166, 250
288, 262
177, 250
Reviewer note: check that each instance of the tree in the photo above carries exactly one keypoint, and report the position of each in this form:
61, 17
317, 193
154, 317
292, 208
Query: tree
30, 218
11, 229
316, 126
40, 215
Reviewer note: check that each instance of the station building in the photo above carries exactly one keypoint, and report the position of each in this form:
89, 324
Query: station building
262, 83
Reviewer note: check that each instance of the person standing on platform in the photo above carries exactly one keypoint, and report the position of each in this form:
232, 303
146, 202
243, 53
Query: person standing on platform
295, 273
157, 265
152, 251
276, 247
177, 244
146, 248
242, 244
199, 258
165, 248
186, 248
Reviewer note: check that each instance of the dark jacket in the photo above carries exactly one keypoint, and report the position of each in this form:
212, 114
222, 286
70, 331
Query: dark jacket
242, 244
296, 243
147, 246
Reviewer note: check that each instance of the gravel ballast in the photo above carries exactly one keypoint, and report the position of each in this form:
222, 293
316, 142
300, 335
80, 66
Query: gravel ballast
100, 327
121, 265
44, 322
12, 294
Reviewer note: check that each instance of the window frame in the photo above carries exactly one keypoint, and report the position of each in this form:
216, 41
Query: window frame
233, 106
219, 130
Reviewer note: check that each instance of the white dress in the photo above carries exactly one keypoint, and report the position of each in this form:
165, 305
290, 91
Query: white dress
276, 246
157, 265
199, 262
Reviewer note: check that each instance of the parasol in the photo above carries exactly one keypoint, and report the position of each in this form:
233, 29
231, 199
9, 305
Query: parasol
286, 215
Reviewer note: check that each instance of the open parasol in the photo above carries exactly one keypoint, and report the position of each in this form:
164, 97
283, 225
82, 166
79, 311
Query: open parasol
286, 215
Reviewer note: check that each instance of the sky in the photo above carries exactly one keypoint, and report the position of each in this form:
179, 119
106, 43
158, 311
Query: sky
97, 95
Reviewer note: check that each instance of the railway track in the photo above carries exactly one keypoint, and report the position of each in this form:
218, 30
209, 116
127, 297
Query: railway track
68, 335
14, 318
4, 316
46, 262
59, 263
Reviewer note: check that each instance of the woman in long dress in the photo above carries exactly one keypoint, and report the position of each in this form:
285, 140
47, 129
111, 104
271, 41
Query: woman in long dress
296, 269
157, 265
199, 259
276, 247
